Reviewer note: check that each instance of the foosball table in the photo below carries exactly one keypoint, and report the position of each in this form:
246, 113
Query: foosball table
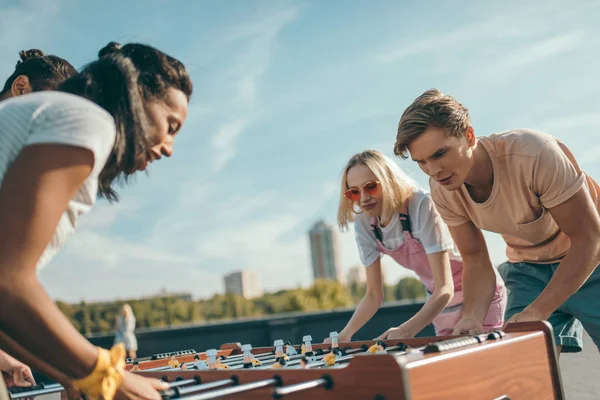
518, 363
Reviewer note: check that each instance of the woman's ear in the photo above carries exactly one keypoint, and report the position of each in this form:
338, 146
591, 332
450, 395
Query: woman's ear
21, 85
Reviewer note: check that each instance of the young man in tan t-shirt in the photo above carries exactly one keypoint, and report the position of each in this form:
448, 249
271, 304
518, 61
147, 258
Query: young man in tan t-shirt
527, 186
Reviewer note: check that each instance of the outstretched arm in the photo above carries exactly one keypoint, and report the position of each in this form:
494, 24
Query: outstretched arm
369, 304
578, 219
33, 196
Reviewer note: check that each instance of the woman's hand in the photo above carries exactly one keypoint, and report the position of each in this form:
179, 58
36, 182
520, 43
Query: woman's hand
135, 386
397, 332
16, 373
342, 337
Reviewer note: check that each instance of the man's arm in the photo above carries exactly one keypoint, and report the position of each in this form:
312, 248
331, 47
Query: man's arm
479, 279
578, 219
560, 185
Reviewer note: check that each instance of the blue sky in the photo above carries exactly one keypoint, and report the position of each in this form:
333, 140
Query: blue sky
285, 93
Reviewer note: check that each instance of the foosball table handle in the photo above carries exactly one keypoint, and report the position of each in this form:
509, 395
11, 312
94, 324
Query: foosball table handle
463, 341
326, 382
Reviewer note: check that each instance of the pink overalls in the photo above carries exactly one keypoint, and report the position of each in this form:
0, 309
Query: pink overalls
411, 254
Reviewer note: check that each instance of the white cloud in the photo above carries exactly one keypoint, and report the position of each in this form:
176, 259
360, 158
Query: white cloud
493, 50
113, 253
508, 24
270, 22
572, 123
223, 143
98, 266
243, 79
502, 68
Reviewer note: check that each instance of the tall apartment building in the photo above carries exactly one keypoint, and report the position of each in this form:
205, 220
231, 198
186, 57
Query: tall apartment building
324, 251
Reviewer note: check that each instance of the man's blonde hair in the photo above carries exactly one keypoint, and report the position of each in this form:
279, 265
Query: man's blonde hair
431, 109
396, 186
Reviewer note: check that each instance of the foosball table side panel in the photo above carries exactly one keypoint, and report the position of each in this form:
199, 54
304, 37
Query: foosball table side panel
519, 368
366, 377
546, 328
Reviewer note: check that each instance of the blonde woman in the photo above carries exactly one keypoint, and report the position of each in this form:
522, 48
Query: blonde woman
124, 330
393, 216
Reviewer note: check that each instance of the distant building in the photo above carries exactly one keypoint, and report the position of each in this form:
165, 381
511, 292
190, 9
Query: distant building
324, 251
243, 283
357, 274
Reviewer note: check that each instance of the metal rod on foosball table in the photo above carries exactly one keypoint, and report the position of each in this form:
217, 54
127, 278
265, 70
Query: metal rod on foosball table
343, 359
177, 392
237, 364
184, 382
275, 381
322, 363
326, 381
268, 362
237, 357
338, 360
234, 362
157, 369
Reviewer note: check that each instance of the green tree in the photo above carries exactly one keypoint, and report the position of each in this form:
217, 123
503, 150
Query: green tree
86, 322
300, 300
167, 308
409, 288
357, 291
330, 294
388, 293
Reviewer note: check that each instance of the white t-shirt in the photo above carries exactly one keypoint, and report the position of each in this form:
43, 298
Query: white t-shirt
426, 225
60, 118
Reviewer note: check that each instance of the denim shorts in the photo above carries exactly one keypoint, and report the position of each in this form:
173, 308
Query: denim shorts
525, 281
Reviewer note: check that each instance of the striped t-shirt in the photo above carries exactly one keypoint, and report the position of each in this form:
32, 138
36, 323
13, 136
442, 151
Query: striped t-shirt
57, 118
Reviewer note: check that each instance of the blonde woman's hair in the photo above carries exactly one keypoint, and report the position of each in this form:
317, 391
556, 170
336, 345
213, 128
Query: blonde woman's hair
396, 186
127, 311
431, 109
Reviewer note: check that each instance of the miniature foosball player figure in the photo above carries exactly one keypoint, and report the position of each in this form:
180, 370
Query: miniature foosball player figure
289, 349
201, 365
306, 348
329, 358
173, 362
304, 362
249, 360
213, 363
378, 348
279, 354
136, 366
280, 363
